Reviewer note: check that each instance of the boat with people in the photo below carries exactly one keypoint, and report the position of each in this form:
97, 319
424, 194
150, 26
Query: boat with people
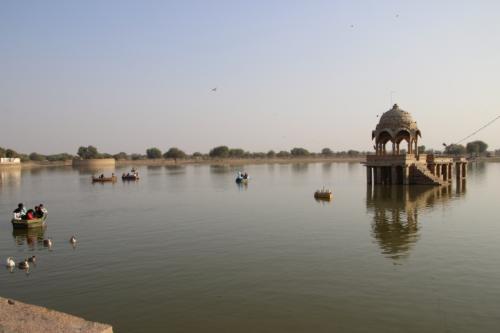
242, 178
132, 175
102, 179
323, 194
31, 218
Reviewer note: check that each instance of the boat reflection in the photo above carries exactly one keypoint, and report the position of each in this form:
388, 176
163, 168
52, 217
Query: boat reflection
31, 236
396, 210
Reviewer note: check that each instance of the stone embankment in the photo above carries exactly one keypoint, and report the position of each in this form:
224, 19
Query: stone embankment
18, 317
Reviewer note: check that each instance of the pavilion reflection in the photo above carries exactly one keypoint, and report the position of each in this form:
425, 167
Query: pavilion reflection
396, 210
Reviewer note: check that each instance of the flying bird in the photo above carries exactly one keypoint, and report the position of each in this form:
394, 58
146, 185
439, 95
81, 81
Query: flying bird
214, 89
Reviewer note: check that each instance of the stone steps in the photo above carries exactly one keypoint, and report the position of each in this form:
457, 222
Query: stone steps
419, 174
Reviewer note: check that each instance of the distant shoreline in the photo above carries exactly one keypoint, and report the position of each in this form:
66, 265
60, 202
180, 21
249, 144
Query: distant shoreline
222, 161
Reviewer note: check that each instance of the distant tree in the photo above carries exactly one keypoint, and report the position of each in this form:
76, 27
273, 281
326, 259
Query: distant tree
497, 152
259, 155
297, 152
23, 157
455, 149
236, 153
88, 152
11, 153
121, 156
271, 154
135, 157
36, 157
59, 157
2, 152
283, 154
421, 149
353, 152
153, 153
476, 147
197, 154
219, 152
326, 152
174, 153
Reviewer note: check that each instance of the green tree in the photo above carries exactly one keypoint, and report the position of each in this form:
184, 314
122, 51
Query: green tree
174, 153
283, 154
136, 157
297, 152
219, 152
87, 153
476, 147
421, 149
59, 157
197, 154
326, 152
271, 154
153, 153
11, 153
36, 157
236, 153
353, 152
455, 149
121, 156
2, 152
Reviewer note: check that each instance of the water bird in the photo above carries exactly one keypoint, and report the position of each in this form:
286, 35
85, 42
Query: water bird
24, 264
32, 259
10, 262
47, 242
72, 240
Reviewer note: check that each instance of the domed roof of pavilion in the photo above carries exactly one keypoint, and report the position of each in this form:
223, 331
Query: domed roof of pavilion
394, 121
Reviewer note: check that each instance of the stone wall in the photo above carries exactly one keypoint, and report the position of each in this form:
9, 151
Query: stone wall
21, 317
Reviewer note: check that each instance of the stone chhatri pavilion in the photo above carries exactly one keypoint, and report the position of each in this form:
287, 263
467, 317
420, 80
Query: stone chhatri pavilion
401, 163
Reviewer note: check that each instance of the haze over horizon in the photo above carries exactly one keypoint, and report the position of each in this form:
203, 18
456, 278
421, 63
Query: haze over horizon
129, 75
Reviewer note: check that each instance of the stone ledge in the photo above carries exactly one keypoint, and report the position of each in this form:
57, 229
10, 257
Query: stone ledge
18, 317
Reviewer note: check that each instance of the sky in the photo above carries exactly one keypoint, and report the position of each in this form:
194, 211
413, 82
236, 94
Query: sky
129, 75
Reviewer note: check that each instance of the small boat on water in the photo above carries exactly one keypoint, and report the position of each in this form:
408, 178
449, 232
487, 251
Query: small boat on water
26, 224
242, 178
130, 177
111, 179
323, 194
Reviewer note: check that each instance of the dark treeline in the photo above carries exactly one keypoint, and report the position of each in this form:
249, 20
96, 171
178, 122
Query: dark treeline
475, 148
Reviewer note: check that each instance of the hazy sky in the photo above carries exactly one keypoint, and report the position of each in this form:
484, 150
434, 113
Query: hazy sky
128, 75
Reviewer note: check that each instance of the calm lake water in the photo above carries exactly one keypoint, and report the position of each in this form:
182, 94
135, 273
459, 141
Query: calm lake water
185, 249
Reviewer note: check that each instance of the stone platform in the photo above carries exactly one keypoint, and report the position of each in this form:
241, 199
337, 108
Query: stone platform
18, 317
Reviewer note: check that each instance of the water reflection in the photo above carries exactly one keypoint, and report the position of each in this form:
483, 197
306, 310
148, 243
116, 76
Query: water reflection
11, 175
395, 212
300, 167
30, 237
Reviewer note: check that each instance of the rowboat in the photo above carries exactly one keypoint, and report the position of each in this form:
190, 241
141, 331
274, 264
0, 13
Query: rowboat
26, 224
104, 179
323, 194
130, 177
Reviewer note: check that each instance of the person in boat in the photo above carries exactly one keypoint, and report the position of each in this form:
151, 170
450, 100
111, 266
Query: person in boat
245, 175
43, 209
101, 176
30, 214
38, 212
20, 211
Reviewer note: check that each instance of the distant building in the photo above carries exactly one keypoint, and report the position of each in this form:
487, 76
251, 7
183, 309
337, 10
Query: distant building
9, 161
397, 165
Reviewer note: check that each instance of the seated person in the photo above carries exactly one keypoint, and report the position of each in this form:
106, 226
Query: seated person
38, 212
20, 209
30, 215
43, 209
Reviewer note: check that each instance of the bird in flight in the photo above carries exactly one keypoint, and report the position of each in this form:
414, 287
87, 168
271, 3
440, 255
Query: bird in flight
214, 89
